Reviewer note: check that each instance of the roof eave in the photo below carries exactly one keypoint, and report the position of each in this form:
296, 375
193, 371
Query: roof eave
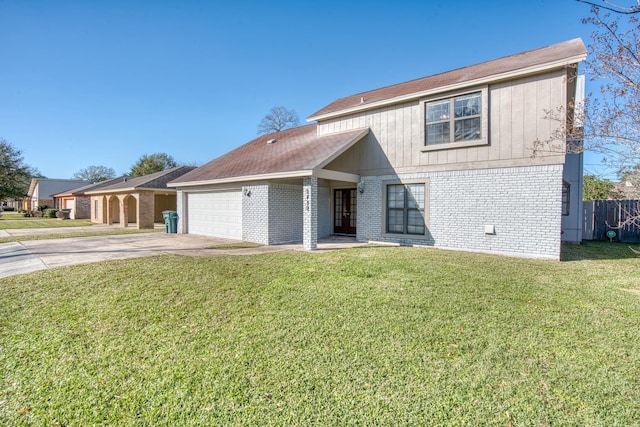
259, 177
494, 78
106, 191
130, 190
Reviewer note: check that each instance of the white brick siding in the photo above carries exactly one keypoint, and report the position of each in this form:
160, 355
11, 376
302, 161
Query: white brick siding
285, 213
522, 203
255, 213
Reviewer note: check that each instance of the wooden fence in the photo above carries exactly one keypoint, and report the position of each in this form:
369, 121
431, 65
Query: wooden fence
601, 216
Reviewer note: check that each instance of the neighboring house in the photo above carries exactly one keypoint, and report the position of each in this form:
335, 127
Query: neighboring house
42, 190
625, 190
16, 204
77, 201
135, 200
441, 161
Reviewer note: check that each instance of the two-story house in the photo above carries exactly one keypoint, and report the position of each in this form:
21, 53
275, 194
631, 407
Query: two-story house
445, 160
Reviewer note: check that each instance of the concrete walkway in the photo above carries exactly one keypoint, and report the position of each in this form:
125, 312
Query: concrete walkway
32, 255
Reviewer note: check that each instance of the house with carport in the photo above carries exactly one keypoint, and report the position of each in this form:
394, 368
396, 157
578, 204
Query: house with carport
446, 160
135, 201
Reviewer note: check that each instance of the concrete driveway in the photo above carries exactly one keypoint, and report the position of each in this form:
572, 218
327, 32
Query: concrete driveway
32, 255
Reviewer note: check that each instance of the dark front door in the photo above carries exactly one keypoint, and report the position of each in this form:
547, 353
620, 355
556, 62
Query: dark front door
344, 213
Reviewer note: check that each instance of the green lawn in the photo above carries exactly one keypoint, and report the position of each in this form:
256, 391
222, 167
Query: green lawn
366, 336
10, 221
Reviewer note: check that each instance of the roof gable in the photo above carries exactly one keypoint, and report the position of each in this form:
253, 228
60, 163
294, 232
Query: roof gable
557, 55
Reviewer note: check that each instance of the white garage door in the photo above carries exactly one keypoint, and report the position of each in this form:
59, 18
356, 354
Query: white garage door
217, 214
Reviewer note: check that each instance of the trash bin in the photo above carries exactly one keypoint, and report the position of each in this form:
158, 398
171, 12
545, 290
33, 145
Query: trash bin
170, 221
65, 213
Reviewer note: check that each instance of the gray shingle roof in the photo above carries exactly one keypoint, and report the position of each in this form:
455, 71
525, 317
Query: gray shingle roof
79, 191
157, 180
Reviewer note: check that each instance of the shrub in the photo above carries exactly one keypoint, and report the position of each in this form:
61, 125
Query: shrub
49, 213
8, 208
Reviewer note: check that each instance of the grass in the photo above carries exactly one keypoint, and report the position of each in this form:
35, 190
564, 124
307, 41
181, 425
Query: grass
364, 336
17, 221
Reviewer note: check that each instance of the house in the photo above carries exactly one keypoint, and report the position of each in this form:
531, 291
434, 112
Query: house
42, 190
135, 200
626, 190
445, 160
76, 200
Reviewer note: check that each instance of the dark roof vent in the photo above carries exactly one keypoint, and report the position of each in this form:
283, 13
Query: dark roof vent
271, 141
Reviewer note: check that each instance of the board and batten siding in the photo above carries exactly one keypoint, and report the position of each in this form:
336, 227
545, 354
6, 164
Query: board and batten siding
396, 141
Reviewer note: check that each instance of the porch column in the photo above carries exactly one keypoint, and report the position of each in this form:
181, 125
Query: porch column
310, 213
124, 211
108, 211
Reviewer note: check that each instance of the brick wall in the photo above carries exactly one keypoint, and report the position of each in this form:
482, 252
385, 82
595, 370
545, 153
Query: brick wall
285, 213
255, 213
523, 204
81, 208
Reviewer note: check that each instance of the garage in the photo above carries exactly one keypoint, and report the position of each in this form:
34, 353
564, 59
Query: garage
216, 214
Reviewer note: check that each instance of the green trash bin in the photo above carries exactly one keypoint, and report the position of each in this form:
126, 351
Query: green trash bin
170, 221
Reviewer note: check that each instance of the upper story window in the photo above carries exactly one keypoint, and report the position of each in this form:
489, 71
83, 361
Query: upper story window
454, 119
457, 121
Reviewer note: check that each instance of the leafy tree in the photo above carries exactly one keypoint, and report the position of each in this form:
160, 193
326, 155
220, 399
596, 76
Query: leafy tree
151, 163
15, 175
596, 188
95, 173
279, 118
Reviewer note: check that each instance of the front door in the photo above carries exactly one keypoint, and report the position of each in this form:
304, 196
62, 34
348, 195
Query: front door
344, 212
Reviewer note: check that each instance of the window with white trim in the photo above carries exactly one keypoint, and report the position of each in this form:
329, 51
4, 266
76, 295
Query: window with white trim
458, 120
406, 209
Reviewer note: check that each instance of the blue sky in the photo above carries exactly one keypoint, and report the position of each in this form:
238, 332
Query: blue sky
104, 82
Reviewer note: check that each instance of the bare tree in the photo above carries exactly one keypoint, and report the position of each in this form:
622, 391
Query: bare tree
609, 123
614, 7
612, 122
279, 118
95, 173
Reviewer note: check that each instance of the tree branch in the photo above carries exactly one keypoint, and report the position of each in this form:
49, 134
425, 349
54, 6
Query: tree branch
614, 8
